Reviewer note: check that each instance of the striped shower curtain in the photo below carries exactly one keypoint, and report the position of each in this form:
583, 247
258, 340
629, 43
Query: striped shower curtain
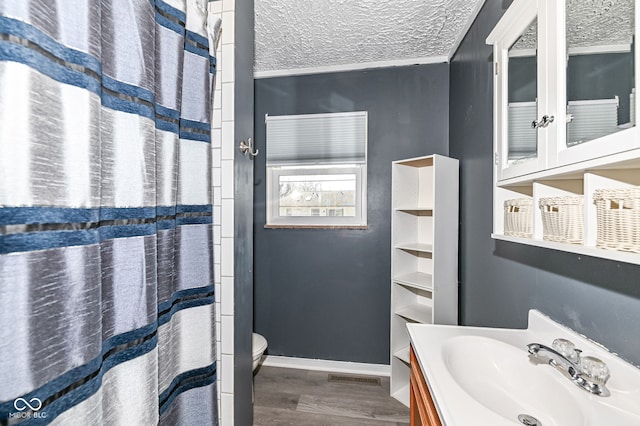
106, 270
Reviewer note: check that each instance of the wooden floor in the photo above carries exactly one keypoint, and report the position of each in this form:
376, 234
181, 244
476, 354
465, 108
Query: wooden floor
295, 397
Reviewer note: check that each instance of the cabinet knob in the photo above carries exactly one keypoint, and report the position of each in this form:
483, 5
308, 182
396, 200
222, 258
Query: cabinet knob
544, 122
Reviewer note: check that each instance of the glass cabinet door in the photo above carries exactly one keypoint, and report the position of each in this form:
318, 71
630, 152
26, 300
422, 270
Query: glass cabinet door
599, 65
521, 151
522, 98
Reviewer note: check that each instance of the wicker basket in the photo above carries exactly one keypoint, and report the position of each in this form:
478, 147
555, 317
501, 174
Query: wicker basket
518, 217
618, 214
563, 219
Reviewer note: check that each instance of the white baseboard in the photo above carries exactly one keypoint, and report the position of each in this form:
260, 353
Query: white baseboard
327, 365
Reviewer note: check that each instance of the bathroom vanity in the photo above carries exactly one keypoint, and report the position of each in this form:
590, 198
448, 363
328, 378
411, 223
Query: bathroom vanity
475, 375
422, 408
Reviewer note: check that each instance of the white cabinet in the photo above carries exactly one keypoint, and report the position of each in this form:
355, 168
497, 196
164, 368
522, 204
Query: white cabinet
573, 62
424, 254
564, 108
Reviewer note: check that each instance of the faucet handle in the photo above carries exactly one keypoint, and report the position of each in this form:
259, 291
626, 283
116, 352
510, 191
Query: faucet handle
567, 349
578, 356
595, 369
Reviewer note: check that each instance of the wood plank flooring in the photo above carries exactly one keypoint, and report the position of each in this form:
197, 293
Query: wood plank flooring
285, 396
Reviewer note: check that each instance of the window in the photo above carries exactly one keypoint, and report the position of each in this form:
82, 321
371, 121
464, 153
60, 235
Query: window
316, 169
316, 195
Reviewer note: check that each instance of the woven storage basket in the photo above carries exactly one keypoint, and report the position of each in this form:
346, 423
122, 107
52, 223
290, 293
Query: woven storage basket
618, 214
563, 219
518, 217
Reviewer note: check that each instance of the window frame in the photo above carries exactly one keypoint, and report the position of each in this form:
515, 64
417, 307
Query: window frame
274, 219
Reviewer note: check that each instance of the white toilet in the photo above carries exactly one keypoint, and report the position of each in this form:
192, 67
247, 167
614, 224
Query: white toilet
259, 345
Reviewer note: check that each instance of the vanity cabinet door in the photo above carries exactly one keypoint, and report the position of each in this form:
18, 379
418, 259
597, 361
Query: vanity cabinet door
422, 408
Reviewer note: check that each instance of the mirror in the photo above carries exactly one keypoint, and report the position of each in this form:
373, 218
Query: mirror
600, 68
522, 97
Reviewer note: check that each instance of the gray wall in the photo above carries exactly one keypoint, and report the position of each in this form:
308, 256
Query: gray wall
597, 76
243, 218
325, 293
501, 281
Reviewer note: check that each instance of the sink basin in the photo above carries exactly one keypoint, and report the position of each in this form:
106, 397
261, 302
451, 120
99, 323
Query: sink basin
500, 377
483, 376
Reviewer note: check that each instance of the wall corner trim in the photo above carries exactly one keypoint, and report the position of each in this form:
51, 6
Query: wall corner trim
467, 26
351, 67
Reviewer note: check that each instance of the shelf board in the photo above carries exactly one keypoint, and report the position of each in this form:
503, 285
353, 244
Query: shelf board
414, 208
416, 211
623, 160
417, 162
620, 256
403, 355
418, 280
419, 247
417, 312
402, 394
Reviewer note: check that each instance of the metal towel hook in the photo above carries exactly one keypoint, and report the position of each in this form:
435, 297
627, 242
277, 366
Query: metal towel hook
247, 148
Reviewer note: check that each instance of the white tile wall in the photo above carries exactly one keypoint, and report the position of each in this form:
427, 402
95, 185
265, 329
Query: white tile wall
226, 406
227, 296
217, 102
216, 258
226, 264
227, 179
216, 177
229, 19
227, 140
228, 5
217, 213
227, 74
217, 115
227, 218
215, 133
223, 149
227, 334
227, 102
227, 371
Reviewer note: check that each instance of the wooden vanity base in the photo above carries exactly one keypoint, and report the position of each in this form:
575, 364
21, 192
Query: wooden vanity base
423, 410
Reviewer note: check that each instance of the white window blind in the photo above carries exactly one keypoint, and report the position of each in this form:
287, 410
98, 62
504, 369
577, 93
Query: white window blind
591, 119
523, 139
336, 138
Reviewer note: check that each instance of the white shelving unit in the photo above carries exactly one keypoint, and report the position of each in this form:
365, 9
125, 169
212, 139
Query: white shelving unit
424, 254
583, 178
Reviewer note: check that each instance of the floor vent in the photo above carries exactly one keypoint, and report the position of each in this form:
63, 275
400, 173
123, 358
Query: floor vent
349, 378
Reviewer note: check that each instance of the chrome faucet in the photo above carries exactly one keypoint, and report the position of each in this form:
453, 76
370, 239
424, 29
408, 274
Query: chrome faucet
587, 373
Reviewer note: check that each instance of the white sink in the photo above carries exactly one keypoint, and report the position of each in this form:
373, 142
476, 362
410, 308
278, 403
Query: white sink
484, 376
500, 377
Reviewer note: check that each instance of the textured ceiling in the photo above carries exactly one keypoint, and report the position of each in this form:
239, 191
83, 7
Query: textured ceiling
592, 23
297, 34
599, 22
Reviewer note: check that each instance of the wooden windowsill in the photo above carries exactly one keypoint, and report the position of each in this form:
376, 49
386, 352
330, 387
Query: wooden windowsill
316, 227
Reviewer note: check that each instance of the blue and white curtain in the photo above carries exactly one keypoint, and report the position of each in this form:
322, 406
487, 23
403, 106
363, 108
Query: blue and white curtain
106, 254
